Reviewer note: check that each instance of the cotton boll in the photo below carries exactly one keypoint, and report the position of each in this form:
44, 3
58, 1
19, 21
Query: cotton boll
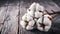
29, 28
30, 23
39, 7
47, 23
38, 14
22, 23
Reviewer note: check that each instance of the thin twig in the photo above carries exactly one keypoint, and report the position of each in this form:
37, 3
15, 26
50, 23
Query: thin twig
57, 12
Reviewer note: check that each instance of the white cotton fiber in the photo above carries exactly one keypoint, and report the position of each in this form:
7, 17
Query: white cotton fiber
24, 17
33, 6
47, 22
34, 15
31, 23
22, 23
39, 7
29, 28
38, 14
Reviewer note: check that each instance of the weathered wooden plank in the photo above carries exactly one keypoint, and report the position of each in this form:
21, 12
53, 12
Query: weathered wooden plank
11, 21
3, 10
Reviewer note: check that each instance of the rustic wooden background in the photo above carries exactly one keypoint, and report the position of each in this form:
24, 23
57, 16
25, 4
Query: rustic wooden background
11, 12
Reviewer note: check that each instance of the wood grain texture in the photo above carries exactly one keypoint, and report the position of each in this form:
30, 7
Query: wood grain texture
11, 21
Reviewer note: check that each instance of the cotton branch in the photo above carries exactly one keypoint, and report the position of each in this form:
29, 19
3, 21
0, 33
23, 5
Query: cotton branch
57, 12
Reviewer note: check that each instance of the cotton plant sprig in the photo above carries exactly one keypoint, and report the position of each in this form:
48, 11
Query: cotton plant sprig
35, 14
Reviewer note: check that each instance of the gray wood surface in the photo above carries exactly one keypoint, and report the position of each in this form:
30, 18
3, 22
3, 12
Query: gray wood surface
11, 13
